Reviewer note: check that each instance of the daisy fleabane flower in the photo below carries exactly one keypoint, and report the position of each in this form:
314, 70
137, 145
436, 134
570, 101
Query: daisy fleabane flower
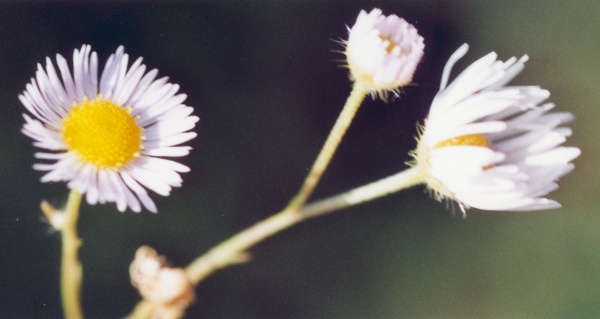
106, 137
491, 146
383, 52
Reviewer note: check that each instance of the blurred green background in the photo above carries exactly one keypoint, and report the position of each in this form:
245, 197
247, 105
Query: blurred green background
265, 78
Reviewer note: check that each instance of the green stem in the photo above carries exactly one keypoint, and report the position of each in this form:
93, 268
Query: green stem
333, 140
232, 251
385, 186
71, 271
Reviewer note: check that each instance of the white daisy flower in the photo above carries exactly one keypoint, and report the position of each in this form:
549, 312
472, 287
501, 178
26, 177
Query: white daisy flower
106, 137
383, 52
491, 146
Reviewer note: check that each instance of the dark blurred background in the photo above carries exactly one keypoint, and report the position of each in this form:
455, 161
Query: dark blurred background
267, 82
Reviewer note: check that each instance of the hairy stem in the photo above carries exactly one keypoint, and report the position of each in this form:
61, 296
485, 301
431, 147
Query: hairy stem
71, 271
333, 140
233, 250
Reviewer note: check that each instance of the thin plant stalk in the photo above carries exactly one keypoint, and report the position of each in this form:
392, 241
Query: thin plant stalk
336, 134
71, 272
233, 250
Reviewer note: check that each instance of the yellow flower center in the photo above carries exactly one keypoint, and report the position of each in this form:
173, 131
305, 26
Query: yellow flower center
466, 140
102, 133
390, 44
421, 160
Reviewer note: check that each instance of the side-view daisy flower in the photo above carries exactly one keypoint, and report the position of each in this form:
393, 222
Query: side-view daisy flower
106, 137
491, 146
383, 52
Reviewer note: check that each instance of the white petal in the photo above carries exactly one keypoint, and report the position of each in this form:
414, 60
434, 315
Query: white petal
524, 159
139, 191
175, 151
558, 155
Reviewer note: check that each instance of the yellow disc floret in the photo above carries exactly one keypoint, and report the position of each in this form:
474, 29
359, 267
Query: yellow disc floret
102, 133
422, 154
466, 140
390, 44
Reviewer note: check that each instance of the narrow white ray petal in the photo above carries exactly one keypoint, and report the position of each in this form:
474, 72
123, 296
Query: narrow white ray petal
105, 193
174, 151
511, 73
118, 189
131, 81
558, 155
538, 204
171, 140
163, 174
44, 109
457, 55
57, 87
108, 79
26, 101
120, 80
172, 165
49, 156
139, 191
78, 74
491, 203
141, 88
132, 201
167, 128
154, 93
67, 79
91, 196
140, 176
94, 75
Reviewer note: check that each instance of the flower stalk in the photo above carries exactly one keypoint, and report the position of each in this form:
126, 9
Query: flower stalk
340, 127
71, 271
380, 188
233, 250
